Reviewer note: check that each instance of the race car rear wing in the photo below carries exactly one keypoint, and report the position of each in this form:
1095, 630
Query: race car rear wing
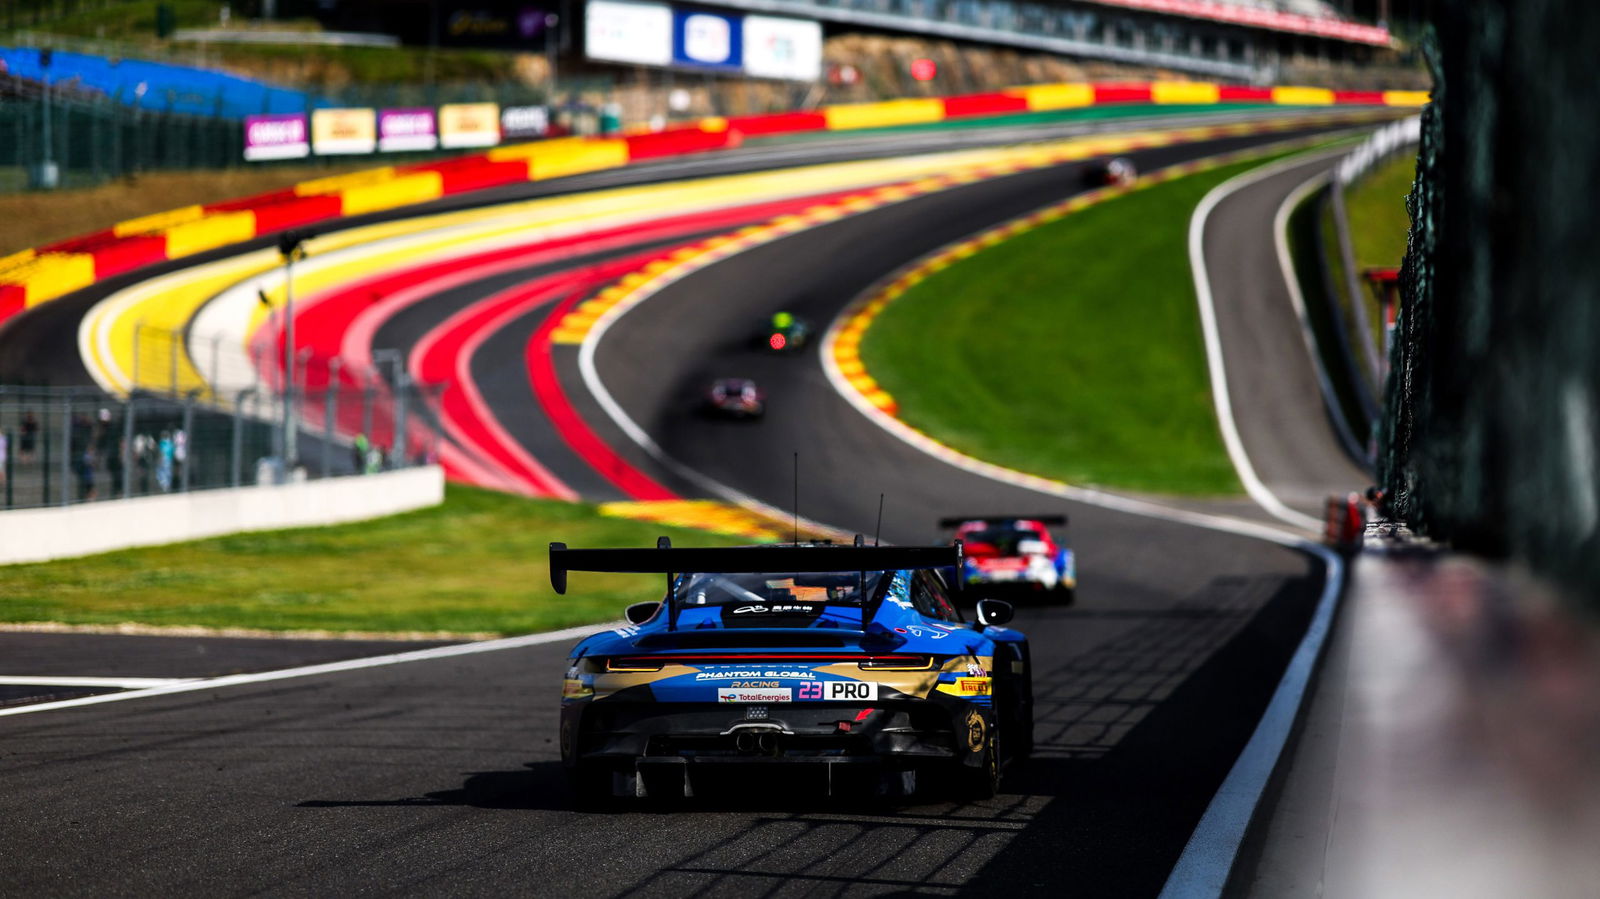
777, 559
1046, 520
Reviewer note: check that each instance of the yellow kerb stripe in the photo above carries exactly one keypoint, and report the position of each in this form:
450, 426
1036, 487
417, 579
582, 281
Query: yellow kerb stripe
1184, 92
1406, 98
160, 221
1302, 96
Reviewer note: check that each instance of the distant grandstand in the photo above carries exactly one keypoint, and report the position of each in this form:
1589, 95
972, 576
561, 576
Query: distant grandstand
154, 86
1236, 40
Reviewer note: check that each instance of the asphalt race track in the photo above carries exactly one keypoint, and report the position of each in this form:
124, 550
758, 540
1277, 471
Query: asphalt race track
442, 776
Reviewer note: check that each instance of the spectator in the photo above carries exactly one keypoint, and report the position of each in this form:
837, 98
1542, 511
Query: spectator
30, 437
180, 451
358, 453
143, 453
81, 449
164, 452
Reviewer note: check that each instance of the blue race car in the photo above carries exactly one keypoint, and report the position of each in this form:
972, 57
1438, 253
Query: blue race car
847, 662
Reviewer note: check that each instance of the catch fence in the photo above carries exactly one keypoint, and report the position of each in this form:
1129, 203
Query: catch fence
175, 431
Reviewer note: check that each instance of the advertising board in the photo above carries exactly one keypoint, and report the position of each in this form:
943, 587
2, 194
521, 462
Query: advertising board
707, 40
469, 125
343, 131
275, 137
627, 31
407, 129
524, 122
782, 48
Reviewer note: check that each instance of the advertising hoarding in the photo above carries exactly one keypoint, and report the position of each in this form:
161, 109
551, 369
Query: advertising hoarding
406, 129
707, 40
275, 137
469, 125
627, 31
782, 48
343, 131
524, 122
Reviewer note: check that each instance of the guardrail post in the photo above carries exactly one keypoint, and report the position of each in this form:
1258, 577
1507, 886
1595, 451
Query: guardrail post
44, 458
238, 431
330, 412
188, 441
127, 448
402, 383
66, 451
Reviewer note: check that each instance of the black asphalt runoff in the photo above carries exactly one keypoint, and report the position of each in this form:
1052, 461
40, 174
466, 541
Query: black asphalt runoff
442, 777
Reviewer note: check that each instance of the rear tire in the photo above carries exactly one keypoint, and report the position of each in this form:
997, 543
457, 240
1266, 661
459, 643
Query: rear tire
983, 780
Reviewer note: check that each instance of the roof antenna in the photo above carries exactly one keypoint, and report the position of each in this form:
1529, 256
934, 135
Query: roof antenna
797, 498
879, 529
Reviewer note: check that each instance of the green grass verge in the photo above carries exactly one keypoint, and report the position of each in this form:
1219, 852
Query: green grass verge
1379, 224
1072, 351
1377, 209
477, 563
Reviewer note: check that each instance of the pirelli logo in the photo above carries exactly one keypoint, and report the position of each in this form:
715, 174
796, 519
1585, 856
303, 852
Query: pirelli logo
969, 686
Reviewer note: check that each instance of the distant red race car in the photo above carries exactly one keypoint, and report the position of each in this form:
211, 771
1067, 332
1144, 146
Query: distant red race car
1007, 552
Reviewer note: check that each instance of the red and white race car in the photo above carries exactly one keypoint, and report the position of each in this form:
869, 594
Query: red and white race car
1015, 552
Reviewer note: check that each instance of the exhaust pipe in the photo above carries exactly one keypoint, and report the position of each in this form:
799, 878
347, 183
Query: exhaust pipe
767, 743
745, 742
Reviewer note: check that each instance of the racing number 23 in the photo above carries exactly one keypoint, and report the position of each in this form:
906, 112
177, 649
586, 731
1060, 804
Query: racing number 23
812, 690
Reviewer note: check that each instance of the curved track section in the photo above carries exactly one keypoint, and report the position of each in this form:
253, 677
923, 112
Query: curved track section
441, 775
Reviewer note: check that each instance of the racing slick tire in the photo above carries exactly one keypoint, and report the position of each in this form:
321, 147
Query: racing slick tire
1065, 595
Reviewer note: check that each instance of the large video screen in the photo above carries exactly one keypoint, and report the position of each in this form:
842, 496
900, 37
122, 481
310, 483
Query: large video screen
628, 31
659, 34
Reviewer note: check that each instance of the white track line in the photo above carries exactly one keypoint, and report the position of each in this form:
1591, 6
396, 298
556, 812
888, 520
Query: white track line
212, 683
1280, 237
1253, 484
121, 683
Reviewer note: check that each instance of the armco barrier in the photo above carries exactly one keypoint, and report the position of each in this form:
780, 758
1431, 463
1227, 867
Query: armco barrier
33, 277
58, 532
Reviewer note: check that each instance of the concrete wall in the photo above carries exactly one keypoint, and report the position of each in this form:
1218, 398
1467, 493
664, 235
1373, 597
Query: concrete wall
36, 535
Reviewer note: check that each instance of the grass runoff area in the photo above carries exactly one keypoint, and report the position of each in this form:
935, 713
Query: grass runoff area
1379, 223
476, 564
1072, 351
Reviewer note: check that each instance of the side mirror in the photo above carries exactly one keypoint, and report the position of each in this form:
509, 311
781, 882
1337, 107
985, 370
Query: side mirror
640, 612
993, 612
